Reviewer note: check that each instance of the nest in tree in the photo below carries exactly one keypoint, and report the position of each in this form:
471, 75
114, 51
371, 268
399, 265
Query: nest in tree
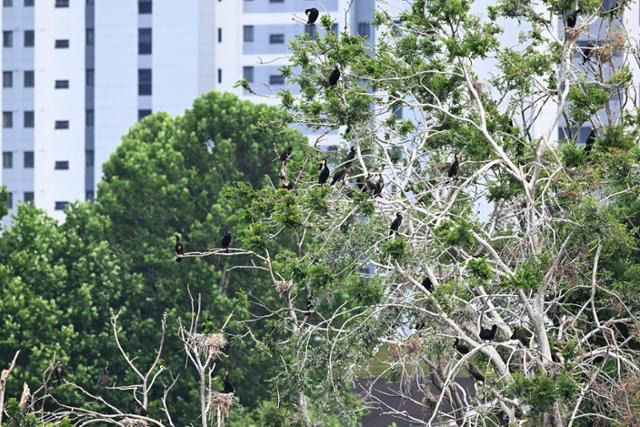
211, 344
221, 402
283, 286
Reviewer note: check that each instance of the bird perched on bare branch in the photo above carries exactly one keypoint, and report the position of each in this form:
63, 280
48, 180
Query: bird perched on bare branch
226, 241
395, 225
312, 15
324, 173
179, 249
59, 373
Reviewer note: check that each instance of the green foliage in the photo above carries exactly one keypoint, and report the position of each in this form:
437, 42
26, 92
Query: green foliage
528, 276
586, 100
541, 391
395, 248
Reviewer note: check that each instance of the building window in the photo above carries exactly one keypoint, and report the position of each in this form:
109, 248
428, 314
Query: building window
219, 75
28, 160
7, 3
28, 197
7, 79
90, 2
247, 73
29, 38
10, 201
276, 38
89, 118
334, 27
29, 79
363, 29
144, 7
143, 113
28, 119
62, 3
90, 36
7, 160
61, 165
88, 195
144, 41
62, 124
88, 158
310, 30
144, 81
276, 1
7, 119
7, 39
89, 77
62, 44
219, 35
247, 32
62, 84
59, 206
28, 3
276, 79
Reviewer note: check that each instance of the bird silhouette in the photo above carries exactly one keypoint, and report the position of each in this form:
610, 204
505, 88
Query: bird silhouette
591, 139
324, 172
488, 334
475, 373
334, 76
377, 191
395, 225
426, 283
59, 372
348, 160
138, 409
286, 154
339, 175
519, 335
228, 387
572, 18
226, 241
453, 169
461, 348
312, 15
307, 315
179, 249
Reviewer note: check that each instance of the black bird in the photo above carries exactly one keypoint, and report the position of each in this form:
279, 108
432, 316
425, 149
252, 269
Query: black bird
475, 373
453, 169
591, 139
360, 183
103, 379
312, 15
461, 348
179, 249
307, 315
59, 372
334, 77
519, 335
226, 241
228, 387
395, 225
426, 283
488, 334
348, 160
377, 191
286, 154
339, 175
572, 18
324, 173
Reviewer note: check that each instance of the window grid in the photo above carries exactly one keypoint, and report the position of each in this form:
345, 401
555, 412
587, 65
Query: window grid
7, 79
59, 206
61, 165
144, 41
247, 32
7, 39
29, 38
29, 78
144, 81
145, 7
29, 119
28, 160
62, 44
62, 124
28, 196
276, 38
62, 84
62, 3
7, 119
247, 73
7, 160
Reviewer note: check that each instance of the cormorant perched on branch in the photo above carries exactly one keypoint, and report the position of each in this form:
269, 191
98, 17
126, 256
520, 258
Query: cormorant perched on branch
572, 18
461, 348
348, 160
138, 409
395, 225
228, 387
179, 249
426, 283
519, 335
453, 169
334, 77
59, 372
488, 334
475, 373
226, 241
312, 15
377, 191
286, 154
591, 139
324, 173
339, 175
307, 315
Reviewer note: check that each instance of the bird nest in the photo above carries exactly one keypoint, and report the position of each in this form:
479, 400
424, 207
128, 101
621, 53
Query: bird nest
283, 286
132, 422
211, 344
221, 402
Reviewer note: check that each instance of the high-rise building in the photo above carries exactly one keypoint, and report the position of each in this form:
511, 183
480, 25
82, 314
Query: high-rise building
77, 74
